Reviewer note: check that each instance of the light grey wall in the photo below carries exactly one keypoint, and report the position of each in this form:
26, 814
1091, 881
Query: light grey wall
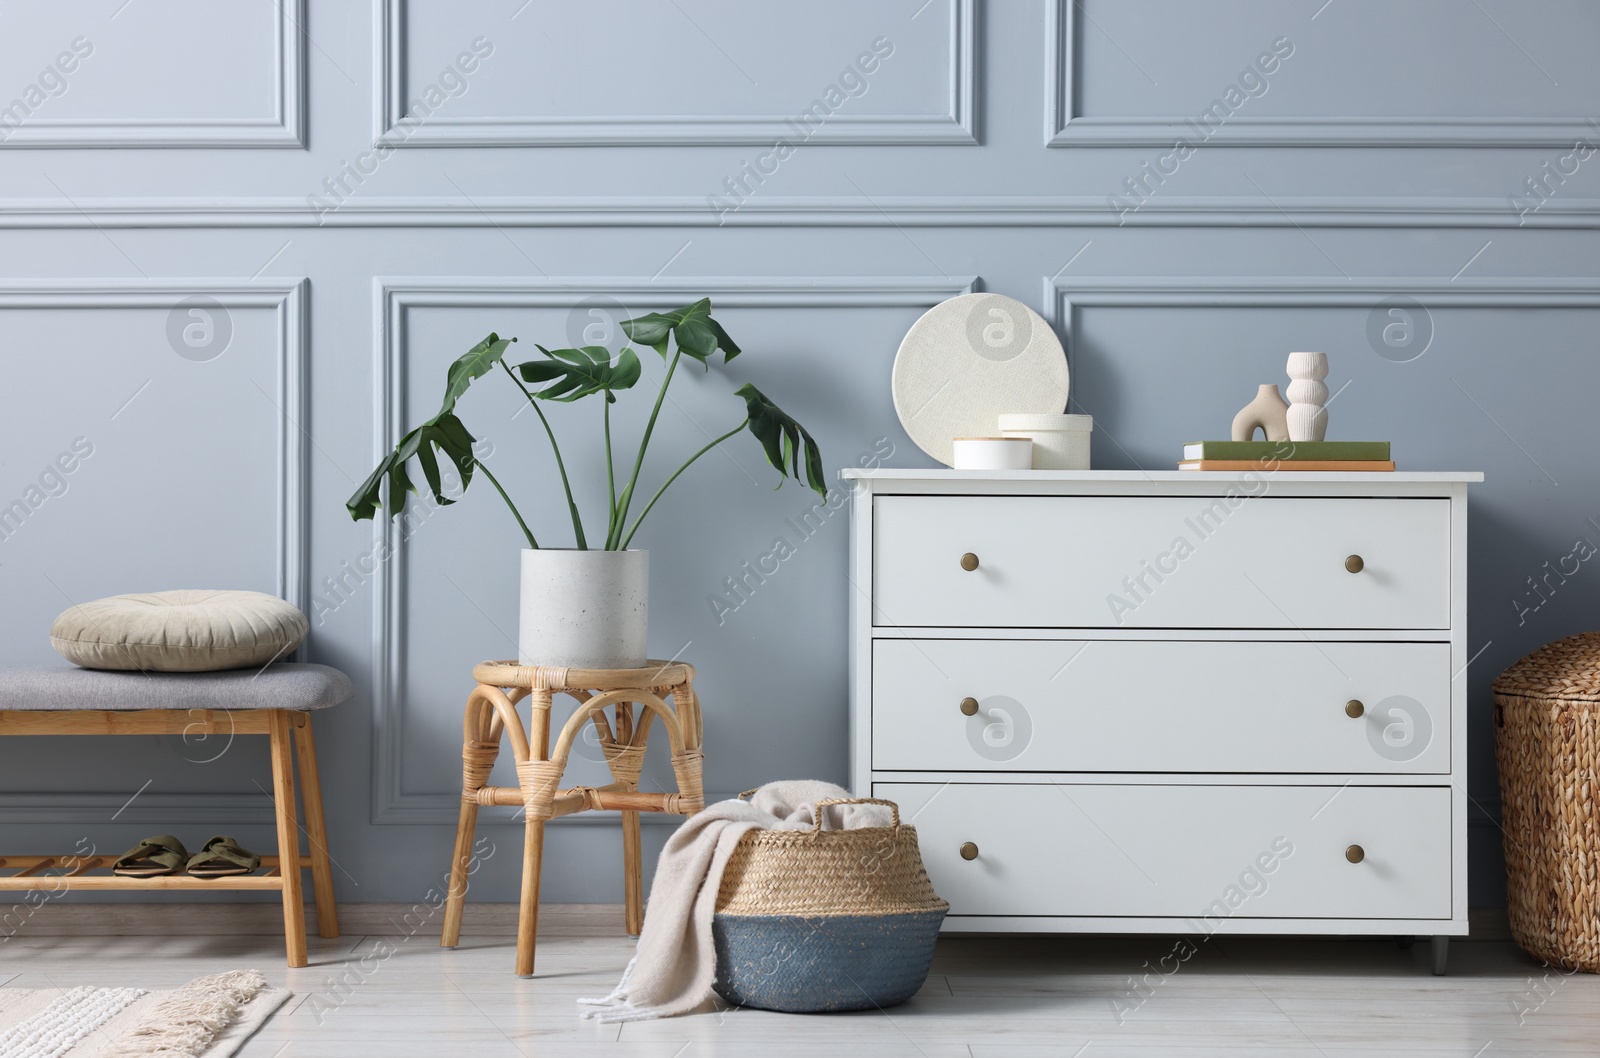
189, 150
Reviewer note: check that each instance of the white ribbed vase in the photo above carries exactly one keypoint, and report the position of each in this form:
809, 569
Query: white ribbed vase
1307, 393
584, 609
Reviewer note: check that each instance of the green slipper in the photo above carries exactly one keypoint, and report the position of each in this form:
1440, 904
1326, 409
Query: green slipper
221, 856
162, 854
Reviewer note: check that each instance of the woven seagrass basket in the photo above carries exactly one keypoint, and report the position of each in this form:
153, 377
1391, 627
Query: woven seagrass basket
1547, 745
821, 920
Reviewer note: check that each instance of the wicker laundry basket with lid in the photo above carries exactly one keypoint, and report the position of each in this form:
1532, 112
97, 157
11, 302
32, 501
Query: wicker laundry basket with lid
1547, 745
823, 920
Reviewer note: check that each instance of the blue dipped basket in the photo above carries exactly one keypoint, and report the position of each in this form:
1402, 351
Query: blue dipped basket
810, 921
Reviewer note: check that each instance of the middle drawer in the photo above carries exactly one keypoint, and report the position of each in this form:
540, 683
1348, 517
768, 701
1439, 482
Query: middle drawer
1188, 706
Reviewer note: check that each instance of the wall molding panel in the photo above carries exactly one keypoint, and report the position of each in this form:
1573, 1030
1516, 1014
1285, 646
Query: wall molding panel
393, 297
290, 301
1065, 126
957, 126
284, 127
966, 211
1063, 297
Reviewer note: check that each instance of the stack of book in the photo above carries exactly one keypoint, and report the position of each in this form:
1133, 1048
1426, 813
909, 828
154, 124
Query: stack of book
1287, 455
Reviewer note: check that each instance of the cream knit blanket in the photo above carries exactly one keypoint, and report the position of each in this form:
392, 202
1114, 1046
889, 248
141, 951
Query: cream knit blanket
673, 969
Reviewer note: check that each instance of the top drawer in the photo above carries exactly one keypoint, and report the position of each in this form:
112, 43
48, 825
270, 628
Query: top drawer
1160, 562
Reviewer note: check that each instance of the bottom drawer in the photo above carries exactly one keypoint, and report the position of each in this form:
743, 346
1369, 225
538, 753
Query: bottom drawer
1184, 851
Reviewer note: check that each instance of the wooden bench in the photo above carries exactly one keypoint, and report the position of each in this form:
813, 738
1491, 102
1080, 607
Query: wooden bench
276, 701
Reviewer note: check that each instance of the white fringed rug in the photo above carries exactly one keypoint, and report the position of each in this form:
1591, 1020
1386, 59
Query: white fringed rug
210, 1017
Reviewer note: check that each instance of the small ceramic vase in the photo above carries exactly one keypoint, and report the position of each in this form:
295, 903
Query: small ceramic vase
1267, 411
1307, 418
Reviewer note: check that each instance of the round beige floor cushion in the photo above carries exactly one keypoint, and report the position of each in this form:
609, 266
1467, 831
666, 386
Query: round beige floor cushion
179, 631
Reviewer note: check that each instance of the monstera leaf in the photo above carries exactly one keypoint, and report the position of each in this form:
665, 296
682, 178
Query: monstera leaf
576, 373
783, 439
471, 366
443, 434
697, 334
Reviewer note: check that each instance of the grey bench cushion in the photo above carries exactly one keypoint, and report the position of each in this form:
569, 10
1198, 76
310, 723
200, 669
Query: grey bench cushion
286, 685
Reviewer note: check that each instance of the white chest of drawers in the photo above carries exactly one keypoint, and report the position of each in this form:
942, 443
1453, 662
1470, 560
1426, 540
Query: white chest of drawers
1169, 702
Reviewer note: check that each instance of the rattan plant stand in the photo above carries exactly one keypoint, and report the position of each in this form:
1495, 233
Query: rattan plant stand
636, 698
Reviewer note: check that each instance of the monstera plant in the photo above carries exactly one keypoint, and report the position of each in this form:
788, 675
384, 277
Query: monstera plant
585, 606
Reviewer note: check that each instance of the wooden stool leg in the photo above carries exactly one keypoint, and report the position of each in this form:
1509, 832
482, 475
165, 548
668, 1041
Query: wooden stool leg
632, 874
625, 766
316, 827
537, 798
294, 912
693, 719
478, 753
687, 769
528, 919
456, 899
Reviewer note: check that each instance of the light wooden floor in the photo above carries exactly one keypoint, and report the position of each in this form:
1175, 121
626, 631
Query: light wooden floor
987, 997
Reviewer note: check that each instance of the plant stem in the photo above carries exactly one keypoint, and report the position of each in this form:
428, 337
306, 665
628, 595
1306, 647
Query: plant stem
572, 506
633, 479
628, 539
514, 512
611, 476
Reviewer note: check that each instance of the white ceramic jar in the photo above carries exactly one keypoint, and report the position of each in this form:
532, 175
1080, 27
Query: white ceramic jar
993, 453
1060, 442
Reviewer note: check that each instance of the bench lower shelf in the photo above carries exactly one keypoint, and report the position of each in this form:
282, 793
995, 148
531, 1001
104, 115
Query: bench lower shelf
65, 873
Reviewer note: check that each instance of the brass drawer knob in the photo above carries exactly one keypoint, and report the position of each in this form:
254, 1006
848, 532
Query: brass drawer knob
969, 851
1355, 854
1354, 564
969, 562
1353, 708
969, 706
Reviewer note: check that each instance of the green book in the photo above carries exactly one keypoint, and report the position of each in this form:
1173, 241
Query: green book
1286, 450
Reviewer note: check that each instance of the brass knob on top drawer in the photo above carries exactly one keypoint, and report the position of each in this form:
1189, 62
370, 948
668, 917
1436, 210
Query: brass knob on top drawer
969, 706
1354, 564
969, 562
969, 851
1353, 708
1355, 853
